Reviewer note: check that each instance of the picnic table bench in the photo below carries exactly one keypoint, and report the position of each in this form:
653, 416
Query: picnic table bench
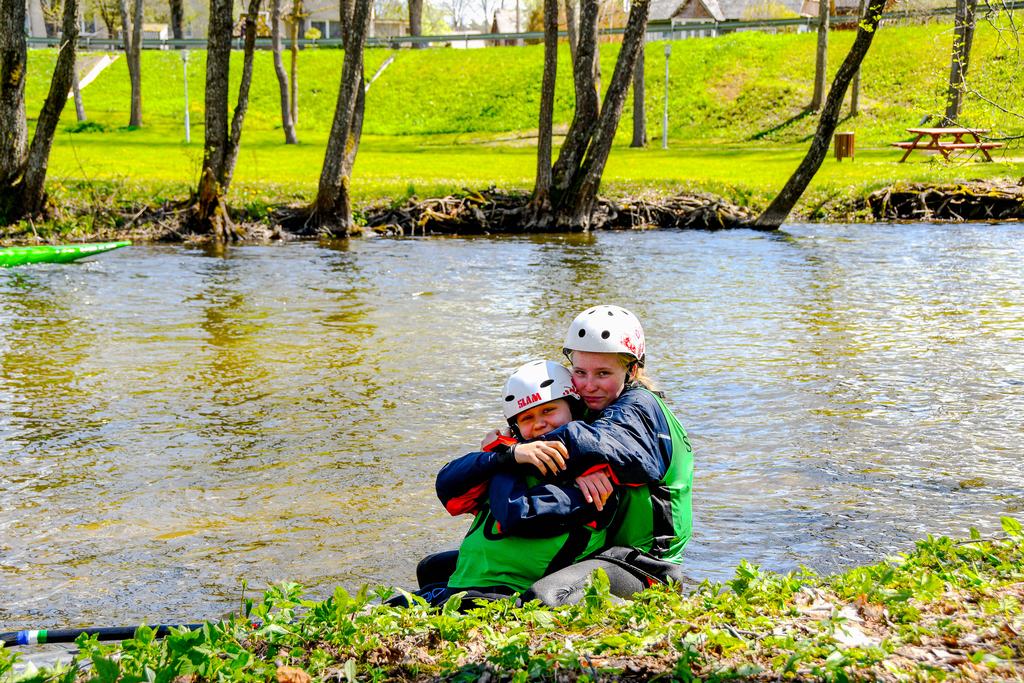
936, 142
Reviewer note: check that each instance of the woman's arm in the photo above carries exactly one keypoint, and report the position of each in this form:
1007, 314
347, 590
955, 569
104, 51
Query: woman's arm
541, 510
631, 435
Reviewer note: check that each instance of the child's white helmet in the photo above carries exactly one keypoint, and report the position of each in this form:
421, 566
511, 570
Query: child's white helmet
535, 383
606, 329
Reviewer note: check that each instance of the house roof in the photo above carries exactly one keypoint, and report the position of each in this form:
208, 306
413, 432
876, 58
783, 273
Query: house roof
505, 21
663, 10
719, 10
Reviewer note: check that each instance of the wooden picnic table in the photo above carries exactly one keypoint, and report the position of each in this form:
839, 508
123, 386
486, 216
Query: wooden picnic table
938, 141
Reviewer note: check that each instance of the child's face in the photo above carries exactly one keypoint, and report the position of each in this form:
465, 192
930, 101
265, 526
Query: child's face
541, 419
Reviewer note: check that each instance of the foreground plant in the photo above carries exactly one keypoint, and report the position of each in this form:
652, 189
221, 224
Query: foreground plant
948, 609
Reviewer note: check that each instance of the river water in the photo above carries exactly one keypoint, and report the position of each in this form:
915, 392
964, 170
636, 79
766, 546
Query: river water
174, 421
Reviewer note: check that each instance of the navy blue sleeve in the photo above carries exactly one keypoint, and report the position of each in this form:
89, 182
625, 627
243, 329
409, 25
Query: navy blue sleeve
541, 510
631, 435
467, 474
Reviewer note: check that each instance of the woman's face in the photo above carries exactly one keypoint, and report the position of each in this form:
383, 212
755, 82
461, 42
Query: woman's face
540, 420
598, 377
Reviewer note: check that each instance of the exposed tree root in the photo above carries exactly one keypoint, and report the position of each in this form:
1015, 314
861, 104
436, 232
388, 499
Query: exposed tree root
495, 211
969, 201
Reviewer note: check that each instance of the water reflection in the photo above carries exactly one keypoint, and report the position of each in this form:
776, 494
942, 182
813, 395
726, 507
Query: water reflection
173, 420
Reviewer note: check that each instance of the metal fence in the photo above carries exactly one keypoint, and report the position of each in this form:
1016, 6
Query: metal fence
655, 31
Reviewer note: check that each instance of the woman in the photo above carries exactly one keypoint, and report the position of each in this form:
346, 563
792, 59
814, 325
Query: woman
630, 430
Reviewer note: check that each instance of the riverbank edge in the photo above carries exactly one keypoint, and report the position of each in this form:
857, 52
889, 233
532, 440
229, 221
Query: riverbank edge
948, 609
97, 211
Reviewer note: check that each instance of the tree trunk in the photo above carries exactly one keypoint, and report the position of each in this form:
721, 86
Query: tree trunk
356, 129
210, 213
416, 21
33, 185
13, 60
332, 209
23, 170
855, 84
296, 19
131, 36
242, 104
545, 125
821, 58
282, 75
962, 39
581, 129
571, 20
574, 207
639, 106
77, 93
783, 204
177, 19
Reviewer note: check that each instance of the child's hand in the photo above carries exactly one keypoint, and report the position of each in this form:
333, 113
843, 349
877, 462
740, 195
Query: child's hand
547, 456
596, 488
492, 436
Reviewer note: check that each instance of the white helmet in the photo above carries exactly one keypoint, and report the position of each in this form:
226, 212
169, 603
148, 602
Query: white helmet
606, 329
537, 382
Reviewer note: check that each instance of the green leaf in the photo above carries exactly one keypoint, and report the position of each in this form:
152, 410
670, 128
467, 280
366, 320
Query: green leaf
453, 604
107, 670
1011, 527
350, 671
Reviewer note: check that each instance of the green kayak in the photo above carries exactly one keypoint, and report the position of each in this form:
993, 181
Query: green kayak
58, 253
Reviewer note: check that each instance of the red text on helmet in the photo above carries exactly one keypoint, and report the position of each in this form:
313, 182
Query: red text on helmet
527, 400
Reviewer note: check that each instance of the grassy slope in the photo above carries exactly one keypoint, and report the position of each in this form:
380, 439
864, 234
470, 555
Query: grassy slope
441, 119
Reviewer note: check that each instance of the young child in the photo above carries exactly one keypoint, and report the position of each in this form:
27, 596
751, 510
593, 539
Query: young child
524, 527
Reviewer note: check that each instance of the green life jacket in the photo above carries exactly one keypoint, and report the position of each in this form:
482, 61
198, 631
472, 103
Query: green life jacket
488, 558
657, 518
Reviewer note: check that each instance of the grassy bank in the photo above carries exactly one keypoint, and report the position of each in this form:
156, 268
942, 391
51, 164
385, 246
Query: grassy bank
440, 120
947, 610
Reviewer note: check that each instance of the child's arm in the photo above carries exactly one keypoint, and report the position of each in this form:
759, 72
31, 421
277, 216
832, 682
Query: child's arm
462, 483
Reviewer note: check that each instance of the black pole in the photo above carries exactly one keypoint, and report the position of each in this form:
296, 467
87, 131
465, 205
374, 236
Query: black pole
69, 635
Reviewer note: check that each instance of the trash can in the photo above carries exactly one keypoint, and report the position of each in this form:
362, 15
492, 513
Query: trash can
843, 145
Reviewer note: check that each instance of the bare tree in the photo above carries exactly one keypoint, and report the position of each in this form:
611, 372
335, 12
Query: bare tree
487, 8
131, 38
209, 210
13, 60
855, 85
639, 106
110, 15
297, 18
332, 209
545, 128
963, 38
177, 19
571, 21
23, 175
821, 57
282, 75
76, 92
576, 175
457, 10
416, 20
783, 204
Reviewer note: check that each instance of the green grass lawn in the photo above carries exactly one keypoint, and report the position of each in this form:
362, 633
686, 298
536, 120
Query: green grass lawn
441, 119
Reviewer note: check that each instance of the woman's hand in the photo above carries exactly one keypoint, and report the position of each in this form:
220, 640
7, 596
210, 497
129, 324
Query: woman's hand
547, 456
493, 435
596, 488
